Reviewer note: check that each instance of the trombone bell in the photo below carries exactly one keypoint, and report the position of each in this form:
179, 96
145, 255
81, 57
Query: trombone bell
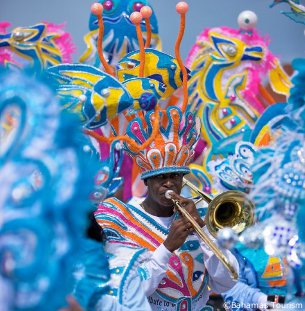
229, 209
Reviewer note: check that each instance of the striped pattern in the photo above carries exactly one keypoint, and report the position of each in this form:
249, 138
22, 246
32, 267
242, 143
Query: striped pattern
128, 225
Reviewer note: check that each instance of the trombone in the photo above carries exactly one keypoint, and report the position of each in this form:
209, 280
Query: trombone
223, 211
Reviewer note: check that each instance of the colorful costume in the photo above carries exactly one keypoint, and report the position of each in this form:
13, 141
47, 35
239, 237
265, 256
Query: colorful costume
120, 37
278, 176
180, 281
228, 67
143, 77
259, 274
48, 178
92, 270
39, 46
45, 185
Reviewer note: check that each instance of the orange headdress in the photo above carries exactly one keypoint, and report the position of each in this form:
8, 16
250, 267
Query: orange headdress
171, 150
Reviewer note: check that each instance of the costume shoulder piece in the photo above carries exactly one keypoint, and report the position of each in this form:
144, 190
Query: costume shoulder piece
125, 224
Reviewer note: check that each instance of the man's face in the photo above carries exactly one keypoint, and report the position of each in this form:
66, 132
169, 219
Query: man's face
158, 185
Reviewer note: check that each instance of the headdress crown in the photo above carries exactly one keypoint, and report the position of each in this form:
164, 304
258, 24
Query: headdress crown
171, 150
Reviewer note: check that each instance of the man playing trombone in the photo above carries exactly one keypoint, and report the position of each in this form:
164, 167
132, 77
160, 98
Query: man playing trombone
180, 269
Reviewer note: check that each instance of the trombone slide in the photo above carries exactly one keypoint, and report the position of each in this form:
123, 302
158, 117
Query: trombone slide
205, 238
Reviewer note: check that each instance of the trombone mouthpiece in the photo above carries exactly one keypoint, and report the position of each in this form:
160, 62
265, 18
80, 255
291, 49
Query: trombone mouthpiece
168, 194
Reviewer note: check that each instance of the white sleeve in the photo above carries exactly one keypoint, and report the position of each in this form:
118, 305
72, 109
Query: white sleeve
154, 270
135, 299
220, 278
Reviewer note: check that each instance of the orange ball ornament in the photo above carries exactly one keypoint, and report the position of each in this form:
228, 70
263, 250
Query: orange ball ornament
182, 7
136, 18
97, 9
146, 11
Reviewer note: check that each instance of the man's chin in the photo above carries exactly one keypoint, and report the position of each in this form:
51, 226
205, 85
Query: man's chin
166, 202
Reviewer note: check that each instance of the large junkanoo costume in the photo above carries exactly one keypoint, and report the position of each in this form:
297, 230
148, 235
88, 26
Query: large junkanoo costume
172, 281
161, 141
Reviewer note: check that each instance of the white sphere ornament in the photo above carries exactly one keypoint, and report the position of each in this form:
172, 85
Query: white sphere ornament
227, 238
247, 20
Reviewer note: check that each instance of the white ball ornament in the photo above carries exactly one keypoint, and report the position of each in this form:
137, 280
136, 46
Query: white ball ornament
247, 20
227, 238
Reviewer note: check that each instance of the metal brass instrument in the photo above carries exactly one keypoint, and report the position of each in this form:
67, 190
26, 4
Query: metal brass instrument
203, 236
229, 209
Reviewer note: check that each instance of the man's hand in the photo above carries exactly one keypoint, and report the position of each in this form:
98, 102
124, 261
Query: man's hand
178, 233
189, 206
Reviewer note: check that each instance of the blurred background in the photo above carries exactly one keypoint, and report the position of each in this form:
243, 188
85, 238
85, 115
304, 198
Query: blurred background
287, 39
